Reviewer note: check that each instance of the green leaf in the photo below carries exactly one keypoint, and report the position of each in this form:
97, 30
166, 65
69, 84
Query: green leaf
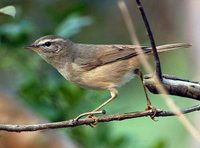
8, 10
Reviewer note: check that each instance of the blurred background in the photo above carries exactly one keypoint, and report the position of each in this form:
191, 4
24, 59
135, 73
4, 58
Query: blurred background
31, 91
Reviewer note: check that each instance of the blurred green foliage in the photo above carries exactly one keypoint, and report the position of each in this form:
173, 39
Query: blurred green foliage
39, 85
47, 93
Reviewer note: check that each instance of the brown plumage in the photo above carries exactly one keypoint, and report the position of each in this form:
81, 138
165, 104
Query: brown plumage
94, 66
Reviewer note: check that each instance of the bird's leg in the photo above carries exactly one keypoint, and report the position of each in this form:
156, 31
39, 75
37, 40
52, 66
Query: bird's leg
113, 92
149, 104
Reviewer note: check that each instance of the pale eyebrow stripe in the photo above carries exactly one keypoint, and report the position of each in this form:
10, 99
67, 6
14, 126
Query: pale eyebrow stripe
48, 40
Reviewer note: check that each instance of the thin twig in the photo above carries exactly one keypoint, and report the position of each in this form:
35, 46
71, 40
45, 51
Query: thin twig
151, 38
88, 121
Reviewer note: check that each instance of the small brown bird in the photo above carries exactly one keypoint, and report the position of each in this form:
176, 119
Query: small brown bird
94, 66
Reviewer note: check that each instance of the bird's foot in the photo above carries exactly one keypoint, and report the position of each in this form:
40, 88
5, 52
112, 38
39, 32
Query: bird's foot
90, 114
151, 108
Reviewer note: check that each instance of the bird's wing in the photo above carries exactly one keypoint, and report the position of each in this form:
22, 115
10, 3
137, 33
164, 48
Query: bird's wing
92, 56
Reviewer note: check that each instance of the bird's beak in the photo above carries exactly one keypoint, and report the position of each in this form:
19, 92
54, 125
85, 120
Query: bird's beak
33, 47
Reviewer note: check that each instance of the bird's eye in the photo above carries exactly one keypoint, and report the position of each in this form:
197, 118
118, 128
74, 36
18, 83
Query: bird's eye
47, 44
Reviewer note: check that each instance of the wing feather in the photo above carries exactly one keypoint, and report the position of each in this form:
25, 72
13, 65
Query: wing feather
92, 56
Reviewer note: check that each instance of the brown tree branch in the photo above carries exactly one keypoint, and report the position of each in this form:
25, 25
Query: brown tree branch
174, 86
88, 121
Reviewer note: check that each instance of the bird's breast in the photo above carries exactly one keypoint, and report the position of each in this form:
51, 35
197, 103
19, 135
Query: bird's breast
101, 77
71, 72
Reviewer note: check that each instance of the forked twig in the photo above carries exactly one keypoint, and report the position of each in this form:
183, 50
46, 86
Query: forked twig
160, 88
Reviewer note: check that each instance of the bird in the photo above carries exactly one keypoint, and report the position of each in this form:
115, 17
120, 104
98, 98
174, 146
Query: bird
95, 66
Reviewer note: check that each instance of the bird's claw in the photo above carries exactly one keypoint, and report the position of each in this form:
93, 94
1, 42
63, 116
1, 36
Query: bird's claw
153, 110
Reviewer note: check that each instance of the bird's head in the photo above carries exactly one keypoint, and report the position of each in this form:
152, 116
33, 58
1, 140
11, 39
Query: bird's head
53, 49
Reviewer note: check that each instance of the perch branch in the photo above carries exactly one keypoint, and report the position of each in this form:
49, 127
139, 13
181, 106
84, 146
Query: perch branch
88, 121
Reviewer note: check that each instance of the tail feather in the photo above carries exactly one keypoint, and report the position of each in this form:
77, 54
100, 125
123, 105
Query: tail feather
168, 47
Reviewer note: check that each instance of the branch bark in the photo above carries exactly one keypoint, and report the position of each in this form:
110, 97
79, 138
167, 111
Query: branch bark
174, 86
89, 121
